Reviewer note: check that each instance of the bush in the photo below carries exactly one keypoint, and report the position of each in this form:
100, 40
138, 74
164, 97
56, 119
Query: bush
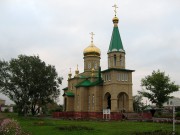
178, 114
11, 127
6, 110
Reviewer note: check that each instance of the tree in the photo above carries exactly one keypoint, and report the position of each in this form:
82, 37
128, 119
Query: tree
159, 86
29, 82
137, 103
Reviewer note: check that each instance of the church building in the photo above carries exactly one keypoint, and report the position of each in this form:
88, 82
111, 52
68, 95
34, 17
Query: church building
93, 90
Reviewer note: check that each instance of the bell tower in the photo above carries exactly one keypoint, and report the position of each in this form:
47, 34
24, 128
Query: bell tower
116, 52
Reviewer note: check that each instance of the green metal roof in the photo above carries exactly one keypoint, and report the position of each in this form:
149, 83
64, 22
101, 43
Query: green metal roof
116, 43
66, 88
83, 77
84, 83
88, 83
69, 94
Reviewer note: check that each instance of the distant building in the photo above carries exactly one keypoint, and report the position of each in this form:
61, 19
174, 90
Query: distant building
4, 107
2, 102
173, 101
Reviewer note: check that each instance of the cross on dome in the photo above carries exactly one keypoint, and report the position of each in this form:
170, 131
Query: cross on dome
115, 8
92, 34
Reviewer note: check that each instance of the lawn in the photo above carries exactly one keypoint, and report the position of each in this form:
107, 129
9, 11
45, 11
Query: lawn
49, 126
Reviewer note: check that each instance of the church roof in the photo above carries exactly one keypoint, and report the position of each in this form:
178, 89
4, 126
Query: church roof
69, 94
84, 83
66, 88
92, 50
116, 43
88, 83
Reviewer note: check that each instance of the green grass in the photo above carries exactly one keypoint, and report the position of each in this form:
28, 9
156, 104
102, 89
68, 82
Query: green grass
40, 126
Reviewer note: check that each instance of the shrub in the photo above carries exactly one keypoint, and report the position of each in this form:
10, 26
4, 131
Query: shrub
6, 110
11, 127
178, 114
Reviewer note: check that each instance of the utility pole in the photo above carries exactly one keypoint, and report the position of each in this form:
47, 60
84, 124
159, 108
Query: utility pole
174, 120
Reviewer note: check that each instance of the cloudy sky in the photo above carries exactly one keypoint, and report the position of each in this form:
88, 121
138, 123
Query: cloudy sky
58, 31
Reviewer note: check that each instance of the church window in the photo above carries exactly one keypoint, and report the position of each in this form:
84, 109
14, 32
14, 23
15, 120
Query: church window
114, 60
95, 65
104, 77
118, 77
121, 61
93, 99
89, 102
109, 77
89, 65
122, 77
78, 101
126, 77
72, 87
93, 102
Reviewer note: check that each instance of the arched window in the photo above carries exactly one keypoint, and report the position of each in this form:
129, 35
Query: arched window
121, 60
109, 77
114, 60
104, 77
89, 102
126, 77
78, 101
65, 104
109, 63
93, 101
72, 86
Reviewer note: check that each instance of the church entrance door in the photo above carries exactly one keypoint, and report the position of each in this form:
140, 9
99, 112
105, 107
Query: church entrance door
65, 104
107, 101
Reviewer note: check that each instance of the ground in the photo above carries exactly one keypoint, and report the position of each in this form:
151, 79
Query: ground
50, 126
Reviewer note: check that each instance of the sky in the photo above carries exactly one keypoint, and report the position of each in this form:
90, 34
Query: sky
58, 31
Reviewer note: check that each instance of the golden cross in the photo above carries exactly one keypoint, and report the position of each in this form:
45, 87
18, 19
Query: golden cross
70, 70
77, 66
92, 34
115, 8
